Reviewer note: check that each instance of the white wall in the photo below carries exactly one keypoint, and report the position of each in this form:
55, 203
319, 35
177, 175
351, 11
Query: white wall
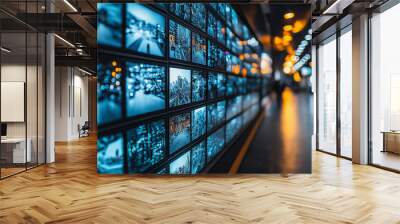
71, 102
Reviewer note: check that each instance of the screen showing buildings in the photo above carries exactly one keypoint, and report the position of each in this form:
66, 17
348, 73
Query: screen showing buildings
212, 55
181, 165
198, 86
145, 88
110, 150
181, 10
215, 143
179, 86
109, 24
212, 85
199, 49
179, 132
198, 157
221, 111
179, 41
146, 146
109, 91
198, 121
212, 116
198, 15
145, 30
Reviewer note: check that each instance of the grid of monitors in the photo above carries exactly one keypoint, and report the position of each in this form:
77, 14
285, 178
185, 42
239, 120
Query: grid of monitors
172, 91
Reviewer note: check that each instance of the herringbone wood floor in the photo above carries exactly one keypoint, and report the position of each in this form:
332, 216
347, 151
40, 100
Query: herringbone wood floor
70, 191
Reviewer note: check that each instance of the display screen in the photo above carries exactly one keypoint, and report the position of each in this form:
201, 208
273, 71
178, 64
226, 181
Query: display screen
182, 10
181, 165
109, 91
198, 157
109, 24
145, 30
212, 25
212, 116
220, 32
179, 41
221, 85
233, 127
198, 86
221, 111
179, 86
179, 132
199, 49
221, 9
215, 143
212, 85
198, 15
198, 121
234, 107
145, 88
229, 38
146, 146
232, 85
212, 54
110, 154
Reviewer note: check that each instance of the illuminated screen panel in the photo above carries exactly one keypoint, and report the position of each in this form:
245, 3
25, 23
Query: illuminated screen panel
182, 10
179, 41
198, 121
109, 91
198, 157
199, 49
109, 24
179, 86
198, 11
215, 143
179, 132
145, 88
145, 30
181, 165
146, 146
199, 87
110, 154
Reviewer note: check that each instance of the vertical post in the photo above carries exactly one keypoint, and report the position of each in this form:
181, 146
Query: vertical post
360, 90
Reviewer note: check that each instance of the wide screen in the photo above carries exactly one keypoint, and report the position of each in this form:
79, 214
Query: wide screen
145, 88
146, 146
109, 24
145, 30
179, 41
179, 132
179, 86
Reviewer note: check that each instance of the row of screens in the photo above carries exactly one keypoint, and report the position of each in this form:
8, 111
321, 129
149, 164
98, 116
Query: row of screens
147, 144
146, 29
145, 88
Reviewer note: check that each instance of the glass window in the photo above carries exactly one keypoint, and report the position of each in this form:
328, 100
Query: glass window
385, 89
346, 94
327, 96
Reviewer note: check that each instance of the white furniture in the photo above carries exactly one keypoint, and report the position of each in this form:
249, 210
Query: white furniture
12, 101
17, 147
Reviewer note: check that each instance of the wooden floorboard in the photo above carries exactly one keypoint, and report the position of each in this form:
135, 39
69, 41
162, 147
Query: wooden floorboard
70, 191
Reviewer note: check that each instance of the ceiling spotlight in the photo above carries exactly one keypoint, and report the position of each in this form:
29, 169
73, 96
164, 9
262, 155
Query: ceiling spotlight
70, 5
288, 15
5, 50
64, 40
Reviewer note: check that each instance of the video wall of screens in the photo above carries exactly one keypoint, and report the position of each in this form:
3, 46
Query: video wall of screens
172, 97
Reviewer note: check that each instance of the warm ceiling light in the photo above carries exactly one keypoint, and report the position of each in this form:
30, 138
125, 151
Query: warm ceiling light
5, 50
287, 38
70, 5
288, 15
287, 28
64, 40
